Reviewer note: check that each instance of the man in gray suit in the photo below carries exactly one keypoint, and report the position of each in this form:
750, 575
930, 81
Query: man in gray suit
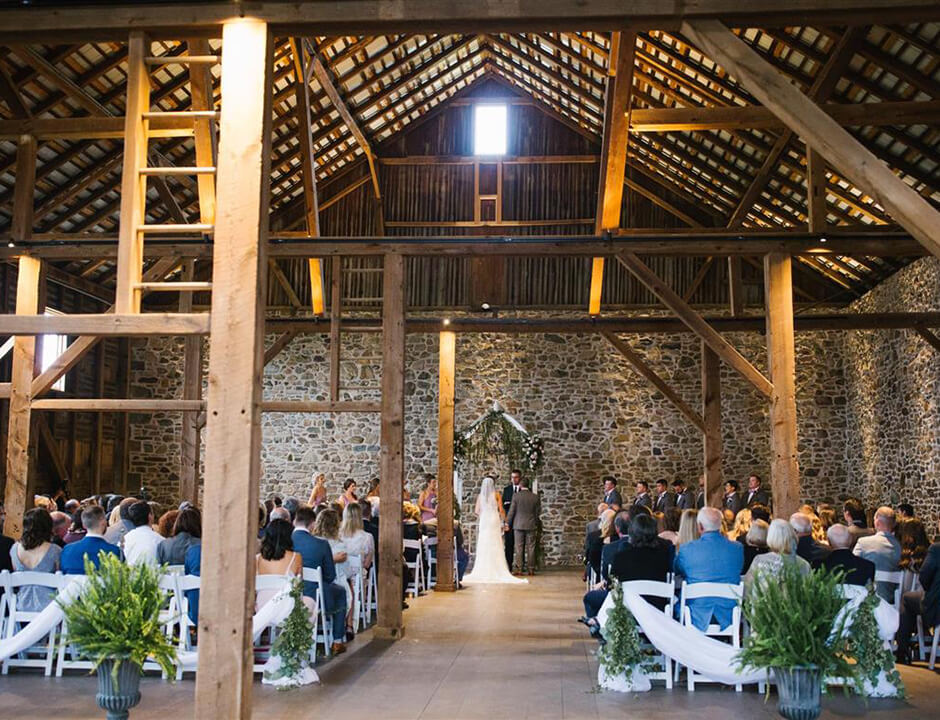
883, 549
523, 518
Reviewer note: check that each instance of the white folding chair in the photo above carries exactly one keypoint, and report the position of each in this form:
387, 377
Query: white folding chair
666, 591
355, 566
729, 591
894, 578
184, 584
922, 646
175, 570
3, 602
324, 631
372, 593
430, 554
262, 652
416, 583
16, 618
169, 616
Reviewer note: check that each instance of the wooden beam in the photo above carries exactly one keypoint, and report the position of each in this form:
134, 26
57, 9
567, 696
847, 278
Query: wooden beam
613, 150
781, 359
392, 450
711, 412
107, 324
52, 447
133, 184
929, 337
97, 449
822, 87
447, 354
756, 117
284, 283
135, 405
11, 95
647, 372
202, 98
816, 213
695, 322
699, 278
91, 128
735, 286
319, 406
336, 308
192, 391
278, 345
837, 146
233, 427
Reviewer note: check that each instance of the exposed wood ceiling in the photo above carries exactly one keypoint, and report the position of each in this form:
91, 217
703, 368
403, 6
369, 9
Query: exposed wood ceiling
378, 86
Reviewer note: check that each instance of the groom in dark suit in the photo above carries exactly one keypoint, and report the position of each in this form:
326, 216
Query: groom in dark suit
515, 478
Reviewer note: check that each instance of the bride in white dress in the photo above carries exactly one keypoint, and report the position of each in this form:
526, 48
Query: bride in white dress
489, 560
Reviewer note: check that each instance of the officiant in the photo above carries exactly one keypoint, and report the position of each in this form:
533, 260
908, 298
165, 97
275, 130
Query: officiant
515, 478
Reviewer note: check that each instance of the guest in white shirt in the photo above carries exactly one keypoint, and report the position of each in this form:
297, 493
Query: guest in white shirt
883, 549
141, 543
358, 541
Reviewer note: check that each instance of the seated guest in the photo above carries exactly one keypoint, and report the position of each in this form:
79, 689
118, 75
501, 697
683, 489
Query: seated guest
912, 535
358, 541
187, 531
664, 498
755, 495
326, 527
688, 527
291, 504
925, 603
278, 557
818, 532
74, 554
883, 549
742, 523
166, 522
732, 498
598, 540
279, 513
685, 498
755, 543
807, 548
711, 558
621, 536
192, 565
854, 514
643, 496
782, 544
905, 511
591, 532
123, 525
761, 512
827, 517
858, 570
316, 553
463, 557
37, 553
671, 520
72, 506
370, 523
141, 543
60, 527
76, 529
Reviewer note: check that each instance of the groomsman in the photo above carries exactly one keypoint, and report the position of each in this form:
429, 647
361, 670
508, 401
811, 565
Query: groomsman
643, 496
611, 495
756, 495
732, 500
685, 498
515, 482
664, 498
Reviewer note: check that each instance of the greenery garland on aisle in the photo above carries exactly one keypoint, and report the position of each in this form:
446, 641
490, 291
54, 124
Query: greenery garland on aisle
865, 646
290, 652
623, 654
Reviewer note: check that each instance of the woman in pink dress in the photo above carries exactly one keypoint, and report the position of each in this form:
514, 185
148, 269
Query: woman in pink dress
427, 500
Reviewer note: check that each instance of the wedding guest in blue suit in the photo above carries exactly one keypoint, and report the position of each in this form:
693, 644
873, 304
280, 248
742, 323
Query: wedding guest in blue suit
317, 553
192, 565
711, 558
73, 557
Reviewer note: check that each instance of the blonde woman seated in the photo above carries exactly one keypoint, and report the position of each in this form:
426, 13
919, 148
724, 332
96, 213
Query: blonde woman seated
277, 557
742, 523
358, 541
688, 527
781, 543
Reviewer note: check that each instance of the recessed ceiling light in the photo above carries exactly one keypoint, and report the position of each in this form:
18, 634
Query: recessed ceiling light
485, 306
446, 321
822, 240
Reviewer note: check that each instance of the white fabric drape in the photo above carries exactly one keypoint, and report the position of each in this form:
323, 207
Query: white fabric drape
713, 658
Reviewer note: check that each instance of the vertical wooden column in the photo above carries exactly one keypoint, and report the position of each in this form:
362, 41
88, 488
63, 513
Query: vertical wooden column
16, 497
711, 414
781, 362
233, 417
445, 462
133, 184
336, 303
192, 390
390, 625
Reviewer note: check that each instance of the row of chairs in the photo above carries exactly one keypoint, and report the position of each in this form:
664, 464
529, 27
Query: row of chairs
423, 565
53, 653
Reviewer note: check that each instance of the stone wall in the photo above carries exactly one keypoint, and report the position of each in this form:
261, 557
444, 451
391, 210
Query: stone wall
893, 438
595, 414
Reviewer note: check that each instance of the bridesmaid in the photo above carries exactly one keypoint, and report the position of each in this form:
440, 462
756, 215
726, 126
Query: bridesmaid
427, 500
318, 494
349, 493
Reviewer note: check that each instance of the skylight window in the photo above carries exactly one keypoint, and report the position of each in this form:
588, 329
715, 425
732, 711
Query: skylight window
489, 130
52, 347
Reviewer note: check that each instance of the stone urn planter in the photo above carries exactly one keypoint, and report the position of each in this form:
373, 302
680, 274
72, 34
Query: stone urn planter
118, 693
798, 691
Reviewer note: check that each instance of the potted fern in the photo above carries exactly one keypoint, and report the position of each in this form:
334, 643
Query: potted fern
115, 622
796, 630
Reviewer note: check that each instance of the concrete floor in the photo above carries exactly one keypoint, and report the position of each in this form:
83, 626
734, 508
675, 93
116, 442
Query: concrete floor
487, 652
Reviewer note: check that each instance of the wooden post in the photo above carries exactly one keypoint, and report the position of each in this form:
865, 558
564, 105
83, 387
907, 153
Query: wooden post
389, 624
613, 150
233, 424
336, 301
96, 450
445, 462
16, 497
192, 390
784, 469
133, 184
735, 286
711, 413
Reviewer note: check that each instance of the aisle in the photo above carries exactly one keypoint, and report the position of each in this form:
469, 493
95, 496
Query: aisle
488, 652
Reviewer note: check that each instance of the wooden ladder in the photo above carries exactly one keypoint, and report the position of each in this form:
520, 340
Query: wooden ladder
136, 171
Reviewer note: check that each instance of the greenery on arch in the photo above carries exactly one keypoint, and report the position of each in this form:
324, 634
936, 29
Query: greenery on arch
497, 434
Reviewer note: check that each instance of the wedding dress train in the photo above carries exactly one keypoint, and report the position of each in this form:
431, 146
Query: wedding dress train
489, 560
